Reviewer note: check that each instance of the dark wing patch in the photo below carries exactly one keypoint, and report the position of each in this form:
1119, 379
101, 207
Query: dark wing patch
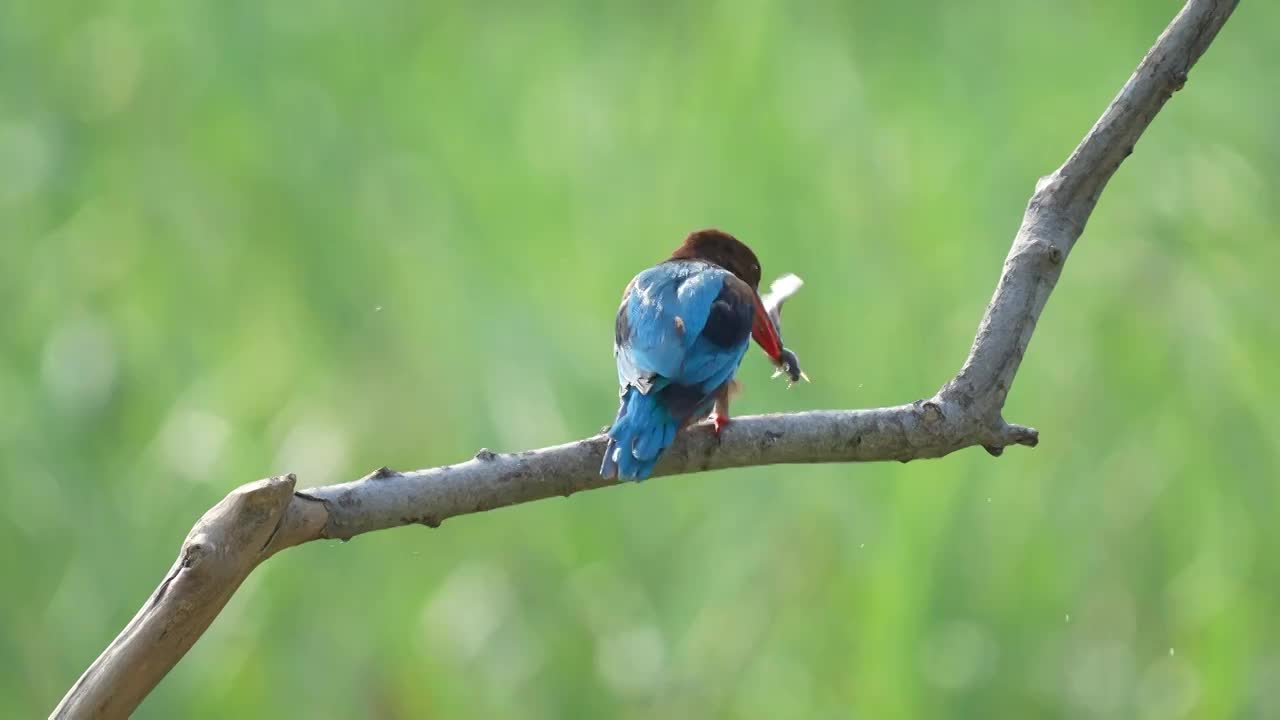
622, 326
729, 319
682, 400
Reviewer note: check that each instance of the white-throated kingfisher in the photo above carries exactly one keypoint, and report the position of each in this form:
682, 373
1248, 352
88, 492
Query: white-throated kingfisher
681, 332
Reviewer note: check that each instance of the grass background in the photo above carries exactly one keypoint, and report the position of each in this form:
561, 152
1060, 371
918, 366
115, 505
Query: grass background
245, 238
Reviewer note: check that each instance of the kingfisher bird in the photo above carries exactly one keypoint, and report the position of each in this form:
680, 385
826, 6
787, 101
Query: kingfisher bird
681, 332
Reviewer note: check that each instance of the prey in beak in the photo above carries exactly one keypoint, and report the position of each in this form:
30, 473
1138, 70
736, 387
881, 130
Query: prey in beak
785, 360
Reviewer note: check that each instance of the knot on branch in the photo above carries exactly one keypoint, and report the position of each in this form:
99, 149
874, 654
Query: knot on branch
931, 413
1044, 240
193, 552
381, 473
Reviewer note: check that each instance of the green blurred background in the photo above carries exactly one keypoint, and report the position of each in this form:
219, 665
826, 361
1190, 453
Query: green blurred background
244, 238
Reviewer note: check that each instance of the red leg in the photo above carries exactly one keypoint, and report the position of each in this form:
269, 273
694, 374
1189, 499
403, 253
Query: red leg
720, 414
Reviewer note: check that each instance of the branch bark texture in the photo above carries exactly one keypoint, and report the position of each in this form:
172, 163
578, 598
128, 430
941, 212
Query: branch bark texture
259, 519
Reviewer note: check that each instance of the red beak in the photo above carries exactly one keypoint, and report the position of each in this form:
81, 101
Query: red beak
765, 334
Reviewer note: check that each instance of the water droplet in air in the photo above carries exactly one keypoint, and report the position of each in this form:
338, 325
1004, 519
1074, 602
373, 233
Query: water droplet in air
1170, 652
377, 308
1068, 617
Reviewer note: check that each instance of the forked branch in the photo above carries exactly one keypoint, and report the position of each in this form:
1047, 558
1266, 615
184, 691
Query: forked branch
259, 519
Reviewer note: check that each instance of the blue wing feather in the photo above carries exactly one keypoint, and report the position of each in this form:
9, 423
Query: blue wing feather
666, 309
711, 366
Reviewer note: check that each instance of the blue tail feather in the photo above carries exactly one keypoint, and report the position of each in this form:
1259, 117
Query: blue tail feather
642, 430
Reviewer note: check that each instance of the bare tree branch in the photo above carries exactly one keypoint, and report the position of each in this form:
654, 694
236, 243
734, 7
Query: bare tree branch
1062, 203
259, 519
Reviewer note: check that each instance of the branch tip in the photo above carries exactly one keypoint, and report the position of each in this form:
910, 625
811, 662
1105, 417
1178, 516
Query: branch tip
1022, 435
